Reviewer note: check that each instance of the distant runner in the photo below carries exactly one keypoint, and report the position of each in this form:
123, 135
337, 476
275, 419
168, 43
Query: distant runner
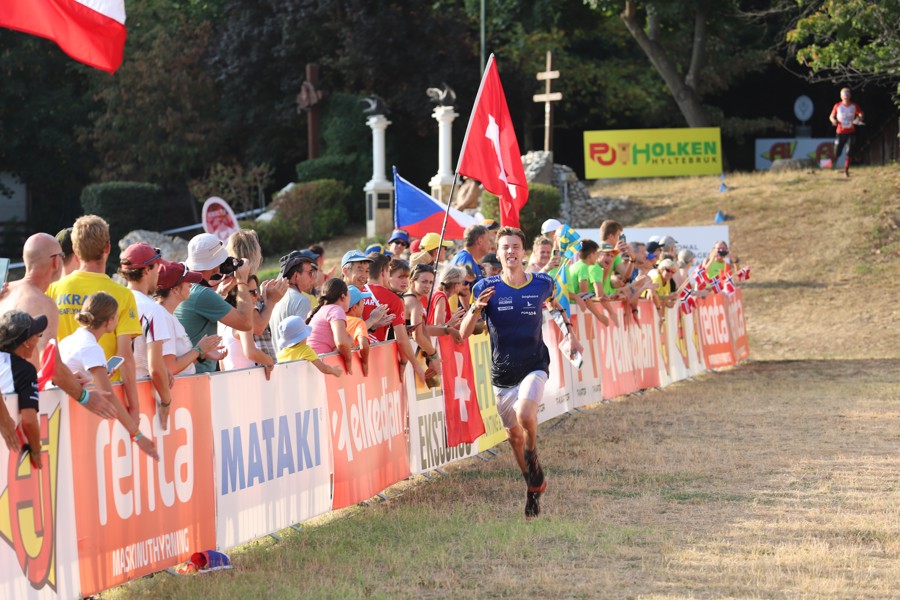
512, 304
845, 116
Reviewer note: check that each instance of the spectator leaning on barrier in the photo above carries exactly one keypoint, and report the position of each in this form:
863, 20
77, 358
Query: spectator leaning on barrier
19, 335
439, 313
242, 351
172, 288
611, 233
356, 327
684, 264
398, 243
82, 353
43, 265
90, 238
139, 267
398, 276
663, 293
205, 308
295, 332
70, 261
477, 241
393, 324
245, 242
328, 321
300, 270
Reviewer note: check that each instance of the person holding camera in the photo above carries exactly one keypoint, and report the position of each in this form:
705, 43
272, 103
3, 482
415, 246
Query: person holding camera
718, 264
205, 307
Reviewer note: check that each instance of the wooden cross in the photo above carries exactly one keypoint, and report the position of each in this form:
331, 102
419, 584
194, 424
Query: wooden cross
548, 98
307, 101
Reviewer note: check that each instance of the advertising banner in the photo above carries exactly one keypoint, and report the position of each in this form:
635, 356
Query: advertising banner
557, 398
463, 418
587, 379
698, 240
38, 549
629, 351
428, 449
652, 152
768, 150
273, 457
135, 515
368, 429
734, 308
715, 336
480, 352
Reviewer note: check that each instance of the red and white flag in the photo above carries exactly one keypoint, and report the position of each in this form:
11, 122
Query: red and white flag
744, 274
461, 410
687, 302
701, 279
90, 31
728, 285
490, 151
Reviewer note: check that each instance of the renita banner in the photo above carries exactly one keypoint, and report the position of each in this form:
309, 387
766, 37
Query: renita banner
652, 152
135, 515
367, 420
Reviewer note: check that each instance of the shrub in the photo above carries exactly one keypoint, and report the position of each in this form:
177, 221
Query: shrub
243, 189
543, 203
126, 206
305, 213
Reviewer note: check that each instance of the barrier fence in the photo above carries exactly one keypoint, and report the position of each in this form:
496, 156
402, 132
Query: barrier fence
244, 457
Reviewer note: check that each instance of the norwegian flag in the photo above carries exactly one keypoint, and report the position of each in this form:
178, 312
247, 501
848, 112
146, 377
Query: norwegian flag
701, 279
688, 303
715, 285
744, 274
728, 286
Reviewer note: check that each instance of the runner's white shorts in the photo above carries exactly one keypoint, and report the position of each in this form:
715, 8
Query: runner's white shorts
530, 389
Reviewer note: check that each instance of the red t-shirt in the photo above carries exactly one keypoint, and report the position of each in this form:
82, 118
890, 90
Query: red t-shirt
845, 115
395, 307
438, 298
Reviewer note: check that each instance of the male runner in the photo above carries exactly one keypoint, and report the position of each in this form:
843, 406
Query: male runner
512, 306
845, 116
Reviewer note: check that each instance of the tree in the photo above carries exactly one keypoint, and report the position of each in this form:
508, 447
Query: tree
696, 46
852, 41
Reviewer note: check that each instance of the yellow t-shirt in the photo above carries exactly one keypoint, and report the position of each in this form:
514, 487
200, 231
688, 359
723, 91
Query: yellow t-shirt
69, 294
300, 351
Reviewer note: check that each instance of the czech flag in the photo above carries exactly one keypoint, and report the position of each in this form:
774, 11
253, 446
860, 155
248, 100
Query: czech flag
90, 31
418, 213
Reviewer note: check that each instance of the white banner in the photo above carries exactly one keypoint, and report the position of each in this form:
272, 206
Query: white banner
699, 239
558, 390
768, 150
273, 456
587, 379
38, 548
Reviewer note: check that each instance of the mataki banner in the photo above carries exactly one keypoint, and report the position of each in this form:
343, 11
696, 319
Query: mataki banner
652, 152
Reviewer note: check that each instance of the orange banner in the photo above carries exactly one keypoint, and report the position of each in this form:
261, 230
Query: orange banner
711, 321
134, 515
368, 427
630, 351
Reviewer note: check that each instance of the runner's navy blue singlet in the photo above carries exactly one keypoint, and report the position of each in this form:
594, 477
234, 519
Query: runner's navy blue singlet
513, 317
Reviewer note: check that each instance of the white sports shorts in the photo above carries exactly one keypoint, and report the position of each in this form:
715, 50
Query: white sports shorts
530, 389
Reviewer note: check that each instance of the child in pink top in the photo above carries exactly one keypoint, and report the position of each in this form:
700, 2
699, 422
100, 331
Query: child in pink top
328, 321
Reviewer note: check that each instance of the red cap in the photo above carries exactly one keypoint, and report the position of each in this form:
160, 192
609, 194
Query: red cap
173, 273
138, 256
414, 247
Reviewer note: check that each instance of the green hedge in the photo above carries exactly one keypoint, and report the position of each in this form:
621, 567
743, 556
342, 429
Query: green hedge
126, 206
543, 203
307, 213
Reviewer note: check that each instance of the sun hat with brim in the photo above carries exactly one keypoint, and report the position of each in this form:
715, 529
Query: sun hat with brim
356, 295
16, 326
296, 258
667, 240
354, 256
666, 264
293, 330
139, 256
606, 247
399, 235
550, 225
430, 241
205, 251
173, 273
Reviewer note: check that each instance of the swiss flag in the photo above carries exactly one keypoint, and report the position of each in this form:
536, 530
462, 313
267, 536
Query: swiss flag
90, 31
461, 410
490, 152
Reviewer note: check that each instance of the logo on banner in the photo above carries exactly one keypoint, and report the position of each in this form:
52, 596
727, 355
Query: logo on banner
28, 508
368, 422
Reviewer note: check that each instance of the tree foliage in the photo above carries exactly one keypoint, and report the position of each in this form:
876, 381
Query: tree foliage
853, 41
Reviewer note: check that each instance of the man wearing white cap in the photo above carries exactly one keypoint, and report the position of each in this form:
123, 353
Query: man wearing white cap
204, 308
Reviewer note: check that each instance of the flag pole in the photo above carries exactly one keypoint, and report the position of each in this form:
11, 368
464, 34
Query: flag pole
437, 258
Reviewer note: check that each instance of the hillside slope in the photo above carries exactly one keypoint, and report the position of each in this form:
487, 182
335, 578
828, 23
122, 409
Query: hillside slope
824, 252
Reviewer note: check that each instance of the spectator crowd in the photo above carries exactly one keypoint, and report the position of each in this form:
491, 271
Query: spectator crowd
66, 323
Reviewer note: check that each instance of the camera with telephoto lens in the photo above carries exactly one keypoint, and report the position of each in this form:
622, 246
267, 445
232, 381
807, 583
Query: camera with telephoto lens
230, 265
723, 252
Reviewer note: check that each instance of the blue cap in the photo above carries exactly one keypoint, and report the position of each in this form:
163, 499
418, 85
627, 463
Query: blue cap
356, 295
293, 330
399, 235
354, 256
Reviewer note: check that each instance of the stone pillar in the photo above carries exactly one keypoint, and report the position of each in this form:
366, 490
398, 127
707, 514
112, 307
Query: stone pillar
379, 191
441, 183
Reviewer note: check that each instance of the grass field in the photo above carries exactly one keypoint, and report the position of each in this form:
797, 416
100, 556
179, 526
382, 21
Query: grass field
776, 479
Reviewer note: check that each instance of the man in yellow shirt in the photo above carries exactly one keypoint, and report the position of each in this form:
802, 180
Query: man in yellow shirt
90, 240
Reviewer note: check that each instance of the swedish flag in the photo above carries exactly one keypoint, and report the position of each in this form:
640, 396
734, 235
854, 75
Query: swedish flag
561, 291
569, 242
